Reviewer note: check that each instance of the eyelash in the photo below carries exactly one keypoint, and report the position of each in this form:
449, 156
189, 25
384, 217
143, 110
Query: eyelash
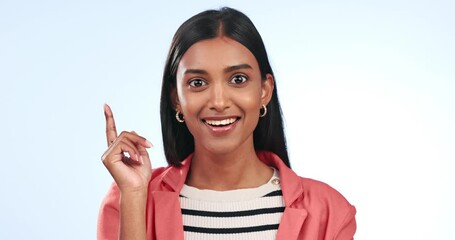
244, 79
194, 81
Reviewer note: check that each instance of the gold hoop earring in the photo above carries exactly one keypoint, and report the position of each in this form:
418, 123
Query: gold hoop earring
177, 116
264, 108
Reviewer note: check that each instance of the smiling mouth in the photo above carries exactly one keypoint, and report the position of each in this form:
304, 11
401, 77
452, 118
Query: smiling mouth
221, 123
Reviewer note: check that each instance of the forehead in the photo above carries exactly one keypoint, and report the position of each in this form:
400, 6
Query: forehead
216, 53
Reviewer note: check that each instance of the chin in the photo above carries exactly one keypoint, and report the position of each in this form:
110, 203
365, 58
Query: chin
221, 150
221, 147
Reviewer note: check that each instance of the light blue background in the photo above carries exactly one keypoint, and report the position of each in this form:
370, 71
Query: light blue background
367, 90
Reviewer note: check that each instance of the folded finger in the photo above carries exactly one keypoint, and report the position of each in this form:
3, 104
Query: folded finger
120, 151
141, 140
130, 148
144, 156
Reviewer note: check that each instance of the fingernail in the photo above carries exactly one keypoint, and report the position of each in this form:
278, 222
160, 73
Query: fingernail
141, 159
149, 144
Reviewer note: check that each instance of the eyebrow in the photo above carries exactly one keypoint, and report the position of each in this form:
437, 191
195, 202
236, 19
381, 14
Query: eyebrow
237, 67
226, 70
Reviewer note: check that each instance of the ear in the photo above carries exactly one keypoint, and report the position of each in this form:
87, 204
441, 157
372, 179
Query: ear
267, 89
175, 100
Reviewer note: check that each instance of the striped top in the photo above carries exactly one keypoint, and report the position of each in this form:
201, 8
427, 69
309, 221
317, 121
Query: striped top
253, 213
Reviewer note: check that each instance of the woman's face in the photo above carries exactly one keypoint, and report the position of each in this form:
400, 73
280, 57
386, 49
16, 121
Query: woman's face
220, 93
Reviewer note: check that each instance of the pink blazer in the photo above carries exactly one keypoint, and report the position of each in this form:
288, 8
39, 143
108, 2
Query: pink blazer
314, 210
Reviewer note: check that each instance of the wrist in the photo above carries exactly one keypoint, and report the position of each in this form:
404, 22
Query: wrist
133, 191
133, 195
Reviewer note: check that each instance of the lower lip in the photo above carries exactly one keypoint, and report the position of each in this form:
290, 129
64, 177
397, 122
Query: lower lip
222, 130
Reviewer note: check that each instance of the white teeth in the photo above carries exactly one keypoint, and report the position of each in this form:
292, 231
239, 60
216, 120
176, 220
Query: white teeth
220, 122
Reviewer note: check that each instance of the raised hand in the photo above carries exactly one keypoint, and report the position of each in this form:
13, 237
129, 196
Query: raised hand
126, 158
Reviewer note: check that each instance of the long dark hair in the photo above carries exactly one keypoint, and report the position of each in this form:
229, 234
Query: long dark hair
177, 139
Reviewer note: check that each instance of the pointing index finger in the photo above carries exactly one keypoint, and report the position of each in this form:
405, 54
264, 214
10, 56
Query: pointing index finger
111, 130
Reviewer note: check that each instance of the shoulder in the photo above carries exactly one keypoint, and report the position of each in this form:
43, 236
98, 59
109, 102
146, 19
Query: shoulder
325, 209
327, 206
316, 189
300, 190
156, 172
320, 195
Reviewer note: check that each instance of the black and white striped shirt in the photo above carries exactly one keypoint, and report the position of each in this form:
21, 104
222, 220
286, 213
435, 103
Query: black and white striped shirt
252, 214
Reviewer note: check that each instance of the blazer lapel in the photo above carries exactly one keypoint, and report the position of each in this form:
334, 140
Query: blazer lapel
291, 223
167, 216
294, 214
167, 213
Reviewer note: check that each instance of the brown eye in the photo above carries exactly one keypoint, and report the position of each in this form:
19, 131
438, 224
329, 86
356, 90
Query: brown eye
239, 79
197, 83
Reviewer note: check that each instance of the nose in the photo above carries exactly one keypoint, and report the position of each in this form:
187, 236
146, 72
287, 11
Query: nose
219, 97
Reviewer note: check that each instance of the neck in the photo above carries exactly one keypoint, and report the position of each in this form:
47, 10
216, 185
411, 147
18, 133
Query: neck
229, 171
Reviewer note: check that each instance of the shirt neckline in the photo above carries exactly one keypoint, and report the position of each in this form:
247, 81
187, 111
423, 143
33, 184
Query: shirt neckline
273, 184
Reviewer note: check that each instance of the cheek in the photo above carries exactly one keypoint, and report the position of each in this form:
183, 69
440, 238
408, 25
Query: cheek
180, 93
250, 100
190, 104
184, 98
251, 104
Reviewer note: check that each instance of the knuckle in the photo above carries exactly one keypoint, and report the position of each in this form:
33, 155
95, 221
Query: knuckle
111, 126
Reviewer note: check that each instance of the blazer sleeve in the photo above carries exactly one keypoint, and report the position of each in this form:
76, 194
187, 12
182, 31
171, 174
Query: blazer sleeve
348, 226
109, 215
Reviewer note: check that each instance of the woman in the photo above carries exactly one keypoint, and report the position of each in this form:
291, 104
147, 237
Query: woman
229, 175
